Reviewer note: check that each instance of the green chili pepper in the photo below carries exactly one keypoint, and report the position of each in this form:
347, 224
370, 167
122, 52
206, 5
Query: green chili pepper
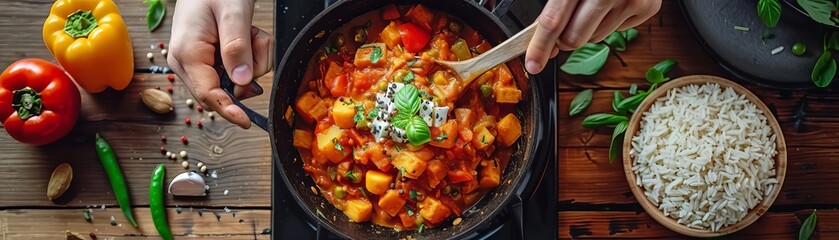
158, 211
109, 162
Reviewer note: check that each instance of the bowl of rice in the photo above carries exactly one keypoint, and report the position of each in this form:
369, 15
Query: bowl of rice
704, 156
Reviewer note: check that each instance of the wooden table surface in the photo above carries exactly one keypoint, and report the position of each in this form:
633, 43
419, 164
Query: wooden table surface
594, 198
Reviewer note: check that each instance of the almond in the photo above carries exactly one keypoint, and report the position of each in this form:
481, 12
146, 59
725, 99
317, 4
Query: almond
60, 181
157, 100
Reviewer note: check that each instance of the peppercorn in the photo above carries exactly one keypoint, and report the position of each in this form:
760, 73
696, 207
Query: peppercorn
171, 77
184, 140
199, 124
199, 108
92, 235
169, 89
161, 44
187, 121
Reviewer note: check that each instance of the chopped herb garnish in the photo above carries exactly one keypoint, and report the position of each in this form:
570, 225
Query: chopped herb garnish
320, 214
363, 192
412, 62
330, 49
410, 213
484, 139
421, 227
424, 94
409, 77
397, 148
442, 137
364, 148
741, 28
402, 171
475, 50
359, 114
373, 113
413, 194
350, 176
375, 55
339, 147
86, 215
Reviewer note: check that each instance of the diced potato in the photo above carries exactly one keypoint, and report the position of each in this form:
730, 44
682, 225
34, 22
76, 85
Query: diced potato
359, 210
303, 139
437, 171
328, 144
377, 157
509, 129
445, 135
333, 71
377, 182
421, 16
483, 138
391, 202
413, 165
432, 210
490, 174
487, 121
469, 186
390, 35
484, 78
305, 103
343, 113
407, 221
504, 75
465, 117
507, 95
364, 57
320, 110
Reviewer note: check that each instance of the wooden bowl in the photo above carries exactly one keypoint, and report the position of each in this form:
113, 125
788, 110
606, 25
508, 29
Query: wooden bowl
658, 215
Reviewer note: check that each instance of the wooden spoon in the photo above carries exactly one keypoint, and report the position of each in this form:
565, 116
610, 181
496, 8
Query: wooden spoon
469, 70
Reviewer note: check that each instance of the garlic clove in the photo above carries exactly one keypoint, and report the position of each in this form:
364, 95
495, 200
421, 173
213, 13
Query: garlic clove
189, 184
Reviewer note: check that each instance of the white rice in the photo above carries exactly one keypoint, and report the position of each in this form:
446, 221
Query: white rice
704, 156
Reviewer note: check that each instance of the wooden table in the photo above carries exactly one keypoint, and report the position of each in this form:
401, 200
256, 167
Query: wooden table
594, 198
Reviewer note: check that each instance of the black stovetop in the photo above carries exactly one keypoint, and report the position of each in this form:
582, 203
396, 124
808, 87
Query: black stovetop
533, 210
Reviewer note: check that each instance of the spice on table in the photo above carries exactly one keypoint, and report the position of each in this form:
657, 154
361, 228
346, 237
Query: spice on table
188, 184
156, 100
185, 164
169, 89
187, 121
189, 102
226, 192
85, 43
171, 77
163, 138
199, 108
158, 210
113, 221
161, 44
183, 154
150, 56
212, 116
92, 235
199, 124
184, 140
162, 150
109, 162
86, 215
203, 169
200, 164
164, 52
59, 181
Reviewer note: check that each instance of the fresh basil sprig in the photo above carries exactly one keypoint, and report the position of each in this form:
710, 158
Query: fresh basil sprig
824, 70
418, 131
603, 119
616, 100
617, 41
407, 99
586, 60
808, 227
769, 12
401, 120
819, 10
656, 73
580, 102
617, 140
375, 55
155, 14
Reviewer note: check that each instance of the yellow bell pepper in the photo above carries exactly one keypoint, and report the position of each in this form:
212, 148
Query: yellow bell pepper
91, 42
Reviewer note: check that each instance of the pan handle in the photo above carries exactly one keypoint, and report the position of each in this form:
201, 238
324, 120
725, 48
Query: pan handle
502, 7
227, 85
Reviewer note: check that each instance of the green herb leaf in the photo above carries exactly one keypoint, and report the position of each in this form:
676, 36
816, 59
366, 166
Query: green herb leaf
421, 227
616, 41
413, 194
350, 175
424, 94
442, 137
824, 70
397, 148
819, 10
319, 213
409, 77
339, 147
412, 62
769, 12
616, 100
330, 49
155, 14
407, 209
586, 60
603, 119
808, 227
372, 114
407, 99
833, 42
401, 120
580, 102
617, 141
418, 132
629, 34
375, 55
656, 74
359, 114
631, 103
633, 89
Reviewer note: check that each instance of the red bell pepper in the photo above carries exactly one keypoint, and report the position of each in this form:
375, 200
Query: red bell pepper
39, 103
414, 37
390, 12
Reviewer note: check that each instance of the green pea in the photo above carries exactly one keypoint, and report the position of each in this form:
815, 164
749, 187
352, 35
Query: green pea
798, 49
486, 90
454, 27
339, 192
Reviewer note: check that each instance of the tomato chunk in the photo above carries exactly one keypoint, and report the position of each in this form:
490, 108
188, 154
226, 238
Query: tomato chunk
414, 37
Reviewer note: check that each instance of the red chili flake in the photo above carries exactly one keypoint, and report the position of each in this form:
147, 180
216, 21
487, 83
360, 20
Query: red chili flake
171, 77
200, 108
92, 235
187, 121
161, 45
169, 89
184, 140
199, 124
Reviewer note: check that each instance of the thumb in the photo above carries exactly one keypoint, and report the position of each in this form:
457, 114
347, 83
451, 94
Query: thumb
234, 25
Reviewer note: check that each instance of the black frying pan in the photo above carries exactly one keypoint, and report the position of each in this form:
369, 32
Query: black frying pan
289, 74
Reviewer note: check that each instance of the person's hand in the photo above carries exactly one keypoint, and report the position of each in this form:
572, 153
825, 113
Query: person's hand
568, 24
202, 27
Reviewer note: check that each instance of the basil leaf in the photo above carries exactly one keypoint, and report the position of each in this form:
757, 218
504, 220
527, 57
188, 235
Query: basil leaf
819, 10
824, 70
629, 34
617, 141
833, 42
580, 102
616, 100
769, 12
656, 73
407, 99
155, 14
616, 41
807, 227
409, 77
359, 114
417, 131
632, 102
375, 55
602, 119
401, 120
586, 60
633, 89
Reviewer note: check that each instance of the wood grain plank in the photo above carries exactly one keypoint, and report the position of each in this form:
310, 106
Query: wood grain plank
821, 126
22, 22
585, 177
51, 224
631, 225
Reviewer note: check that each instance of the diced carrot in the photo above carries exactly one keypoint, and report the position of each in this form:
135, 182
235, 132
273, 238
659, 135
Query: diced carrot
390, 12
374, 150
319, 110
444, 136
408, 221
437, 170
490, 174
302, 139
507, 95
509, 129
421, 16
391, 202
305, 103
433, 210
459, 176
504, 75
364, 56
465, 117
390, 35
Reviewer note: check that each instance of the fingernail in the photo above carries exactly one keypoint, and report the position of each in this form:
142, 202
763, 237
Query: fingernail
242, 74
257, 89
532, 67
